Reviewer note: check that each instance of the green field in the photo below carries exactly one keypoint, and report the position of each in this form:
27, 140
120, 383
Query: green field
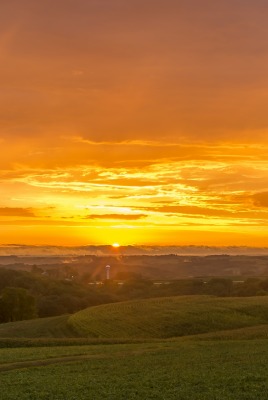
53, 327
169, 317
178, 348
167, 370
152, 318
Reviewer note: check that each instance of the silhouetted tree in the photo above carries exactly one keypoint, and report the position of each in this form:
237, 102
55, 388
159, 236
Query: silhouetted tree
219, 287
16, 304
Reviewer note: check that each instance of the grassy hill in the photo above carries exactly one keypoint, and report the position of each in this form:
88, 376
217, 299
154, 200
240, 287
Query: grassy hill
193, 363
170, 317
53, 327
154, 318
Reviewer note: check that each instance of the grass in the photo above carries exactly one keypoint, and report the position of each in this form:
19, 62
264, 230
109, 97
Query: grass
53, 327
248, 333
169, 317
15, 355
178, 348
185, 370
147, 319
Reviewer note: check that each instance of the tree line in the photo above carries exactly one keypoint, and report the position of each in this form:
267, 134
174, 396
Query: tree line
26, 295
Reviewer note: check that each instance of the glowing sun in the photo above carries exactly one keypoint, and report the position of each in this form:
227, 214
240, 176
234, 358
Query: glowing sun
116, 245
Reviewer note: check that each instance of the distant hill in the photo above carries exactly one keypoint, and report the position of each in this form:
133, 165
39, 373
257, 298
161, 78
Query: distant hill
107, 250
123, 267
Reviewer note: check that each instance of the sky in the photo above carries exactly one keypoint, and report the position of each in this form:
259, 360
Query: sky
135, 122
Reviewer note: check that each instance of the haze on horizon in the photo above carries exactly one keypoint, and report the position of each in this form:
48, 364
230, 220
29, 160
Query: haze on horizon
134, 122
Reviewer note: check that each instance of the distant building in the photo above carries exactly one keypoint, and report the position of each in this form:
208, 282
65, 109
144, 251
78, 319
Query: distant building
107, 272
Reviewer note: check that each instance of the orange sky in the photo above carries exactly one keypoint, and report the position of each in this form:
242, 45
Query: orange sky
134, 122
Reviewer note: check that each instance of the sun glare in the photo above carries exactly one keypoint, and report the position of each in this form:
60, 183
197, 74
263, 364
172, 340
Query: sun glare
116, 245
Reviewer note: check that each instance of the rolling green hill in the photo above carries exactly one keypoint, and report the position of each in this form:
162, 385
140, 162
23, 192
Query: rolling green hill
170, 317
52, 327
158, 318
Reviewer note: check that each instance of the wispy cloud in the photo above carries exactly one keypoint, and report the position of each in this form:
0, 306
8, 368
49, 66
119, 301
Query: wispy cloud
16, 212
161, 121
130, 217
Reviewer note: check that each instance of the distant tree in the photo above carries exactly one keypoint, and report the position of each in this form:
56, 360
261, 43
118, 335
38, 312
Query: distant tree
128, 275
219, 287
264, 285
7, 277
251, 287
70, 272
37, 270
185, 287
16, 304
49, 306
136, 288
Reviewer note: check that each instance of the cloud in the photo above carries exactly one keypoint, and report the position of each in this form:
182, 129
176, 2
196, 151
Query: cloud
165, 69
260, 199
130, 217
16, 212
195, 210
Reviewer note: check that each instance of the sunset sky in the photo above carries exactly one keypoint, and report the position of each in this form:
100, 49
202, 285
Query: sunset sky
134, 121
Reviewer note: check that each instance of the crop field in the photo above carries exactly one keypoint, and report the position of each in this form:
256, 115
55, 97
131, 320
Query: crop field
16, 355
151, 318
178, 348
169, 317
186, 370
42, 327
